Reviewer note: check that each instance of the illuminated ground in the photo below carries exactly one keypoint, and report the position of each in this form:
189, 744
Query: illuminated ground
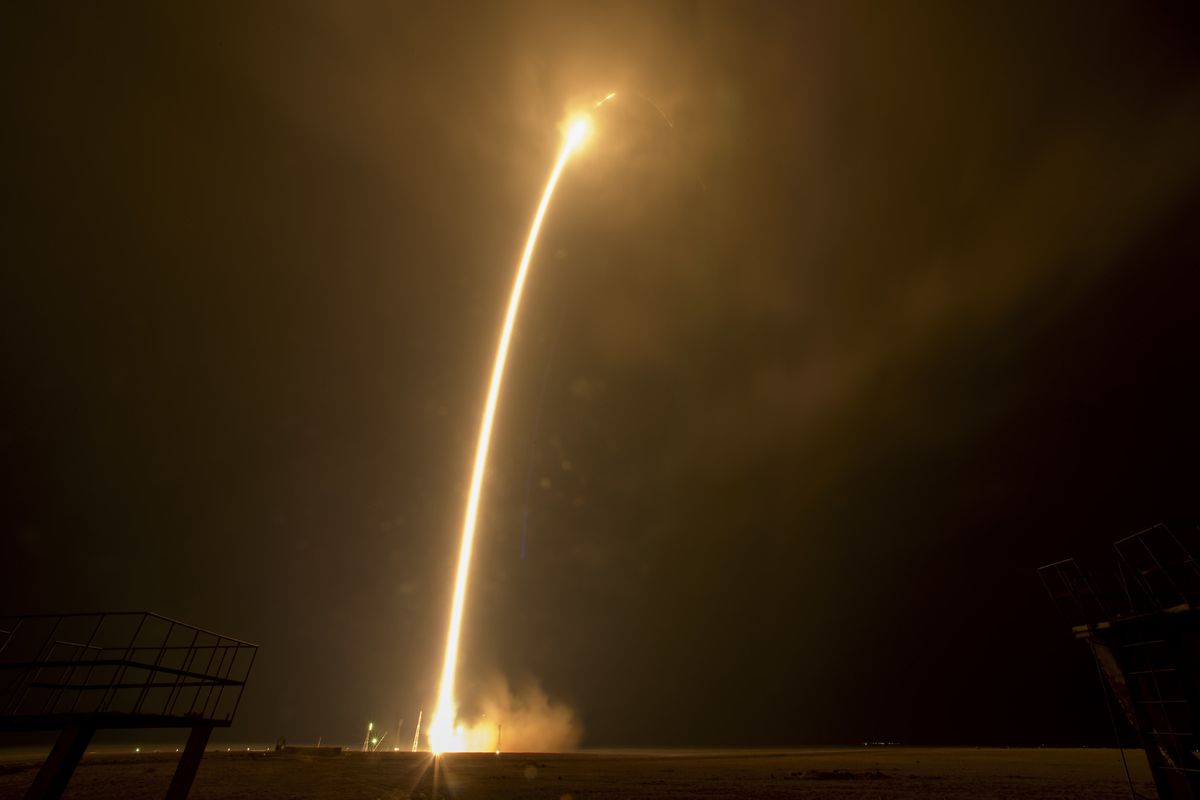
834, 773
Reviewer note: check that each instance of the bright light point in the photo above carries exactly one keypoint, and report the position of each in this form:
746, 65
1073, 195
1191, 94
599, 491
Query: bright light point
441, 728
578, 131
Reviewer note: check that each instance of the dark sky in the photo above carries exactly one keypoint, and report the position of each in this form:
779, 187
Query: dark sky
806, 386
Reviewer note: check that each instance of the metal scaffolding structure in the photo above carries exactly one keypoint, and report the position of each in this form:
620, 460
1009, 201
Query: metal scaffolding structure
78, 673
1141, 622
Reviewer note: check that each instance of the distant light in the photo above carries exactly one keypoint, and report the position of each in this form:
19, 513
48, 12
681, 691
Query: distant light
370, 725
137, 749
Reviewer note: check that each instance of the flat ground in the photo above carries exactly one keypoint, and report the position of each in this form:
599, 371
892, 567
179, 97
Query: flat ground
863, 772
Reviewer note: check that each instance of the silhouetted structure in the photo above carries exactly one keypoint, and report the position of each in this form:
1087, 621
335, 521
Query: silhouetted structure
78, 673
1142, 623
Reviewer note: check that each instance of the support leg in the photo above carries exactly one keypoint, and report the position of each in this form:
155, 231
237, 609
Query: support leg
52, 778
189, 762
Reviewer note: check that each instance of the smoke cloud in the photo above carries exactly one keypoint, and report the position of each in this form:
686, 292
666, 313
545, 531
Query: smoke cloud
521, 720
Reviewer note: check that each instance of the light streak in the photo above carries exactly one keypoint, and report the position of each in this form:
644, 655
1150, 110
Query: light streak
445, 734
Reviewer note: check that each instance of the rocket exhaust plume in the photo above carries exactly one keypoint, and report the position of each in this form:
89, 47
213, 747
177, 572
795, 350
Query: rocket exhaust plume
445, 734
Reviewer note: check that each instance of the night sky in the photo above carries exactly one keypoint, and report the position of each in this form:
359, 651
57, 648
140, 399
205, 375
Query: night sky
901, 305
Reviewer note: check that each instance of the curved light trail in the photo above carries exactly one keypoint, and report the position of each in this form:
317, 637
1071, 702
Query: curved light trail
445, 734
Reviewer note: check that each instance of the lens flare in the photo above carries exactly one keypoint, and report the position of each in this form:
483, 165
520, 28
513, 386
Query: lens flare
445, 734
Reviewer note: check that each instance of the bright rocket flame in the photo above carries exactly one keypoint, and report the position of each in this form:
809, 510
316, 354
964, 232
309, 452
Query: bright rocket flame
577, 132
445, 734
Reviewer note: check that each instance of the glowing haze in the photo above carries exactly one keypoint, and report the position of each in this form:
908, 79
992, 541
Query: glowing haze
445, 731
